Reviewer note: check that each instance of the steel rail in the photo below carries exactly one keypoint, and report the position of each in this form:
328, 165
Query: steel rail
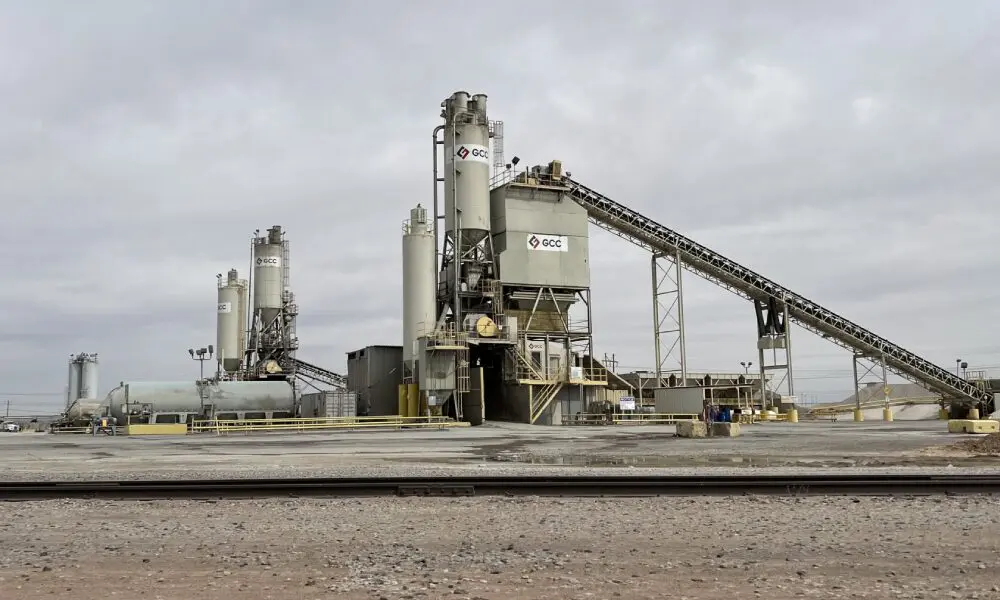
816, 484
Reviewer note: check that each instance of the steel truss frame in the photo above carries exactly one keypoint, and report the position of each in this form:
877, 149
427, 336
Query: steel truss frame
670, 349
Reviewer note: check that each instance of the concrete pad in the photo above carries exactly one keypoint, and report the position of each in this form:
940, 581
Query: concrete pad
973, 426
692, 429
725, 429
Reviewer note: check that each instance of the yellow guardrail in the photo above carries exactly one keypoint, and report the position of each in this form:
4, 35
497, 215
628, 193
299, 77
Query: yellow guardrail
322, 423
628, 419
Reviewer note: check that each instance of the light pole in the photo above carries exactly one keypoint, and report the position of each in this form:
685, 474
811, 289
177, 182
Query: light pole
958, 367
746, 371
201, 355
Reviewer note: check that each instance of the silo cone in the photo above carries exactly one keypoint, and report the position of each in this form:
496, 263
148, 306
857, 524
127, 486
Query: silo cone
402, 400
412, 400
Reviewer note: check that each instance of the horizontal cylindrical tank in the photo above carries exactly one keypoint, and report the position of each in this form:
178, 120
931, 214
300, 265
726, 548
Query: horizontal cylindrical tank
88, 376
467, 165
419, 264
188, 397
230, 325
268, 270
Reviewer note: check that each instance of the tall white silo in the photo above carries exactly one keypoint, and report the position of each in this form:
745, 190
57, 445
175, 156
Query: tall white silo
73, 383
268, 275
467, 166
230, 341
88, 376
419, 264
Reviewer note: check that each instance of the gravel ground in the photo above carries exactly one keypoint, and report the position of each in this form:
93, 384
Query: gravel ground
486, 548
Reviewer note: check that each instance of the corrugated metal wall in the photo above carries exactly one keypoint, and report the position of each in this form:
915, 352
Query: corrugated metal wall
374, 374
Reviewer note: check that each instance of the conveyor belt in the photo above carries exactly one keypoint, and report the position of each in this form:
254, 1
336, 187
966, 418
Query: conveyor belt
319, 374
645, 232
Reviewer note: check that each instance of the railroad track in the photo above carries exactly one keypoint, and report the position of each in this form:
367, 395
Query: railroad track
797, 485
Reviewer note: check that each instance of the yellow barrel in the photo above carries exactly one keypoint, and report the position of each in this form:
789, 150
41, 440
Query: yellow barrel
412, 400
793, 416
943, 414
402, 400
858, 415
973, 414
887, 414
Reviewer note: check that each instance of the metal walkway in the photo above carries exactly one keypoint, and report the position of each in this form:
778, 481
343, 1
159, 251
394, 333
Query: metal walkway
319, 374
645, 232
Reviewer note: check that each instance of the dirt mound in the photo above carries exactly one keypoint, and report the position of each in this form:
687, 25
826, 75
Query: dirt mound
988, 444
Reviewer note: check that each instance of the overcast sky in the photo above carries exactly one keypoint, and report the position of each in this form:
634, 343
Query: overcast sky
848, 150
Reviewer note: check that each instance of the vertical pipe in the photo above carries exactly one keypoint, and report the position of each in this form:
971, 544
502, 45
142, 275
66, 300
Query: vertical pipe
250, 309
436, 209
680, 315
656, 323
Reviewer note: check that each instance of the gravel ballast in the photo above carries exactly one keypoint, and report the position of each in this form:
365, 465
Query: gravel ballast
705, 548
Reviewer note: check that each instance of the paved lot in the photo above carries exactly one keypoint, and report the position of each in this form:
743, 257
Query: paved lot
812, 445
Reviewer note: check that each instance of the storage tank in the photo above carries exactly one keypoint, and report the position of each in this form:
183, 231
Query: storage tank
467, 166
419, 265
268, 274
230, 339
73, 385
88, 376
190, 397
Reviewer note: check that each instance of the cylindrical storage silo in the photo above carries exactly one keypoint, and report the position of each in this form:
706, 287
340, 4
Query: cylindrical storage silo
467, 166
88, 376
419, 264
73, 385
230, 325
268, 280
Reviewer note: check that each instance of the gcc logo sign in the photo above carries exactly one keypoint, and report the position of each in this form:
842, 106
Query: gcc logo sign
550, 243
268, 261
473, 152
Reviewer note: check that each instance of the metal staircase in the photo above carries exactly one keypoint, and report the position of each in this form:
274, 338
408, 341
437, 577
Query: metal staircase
318, 374
543, 398
645, 232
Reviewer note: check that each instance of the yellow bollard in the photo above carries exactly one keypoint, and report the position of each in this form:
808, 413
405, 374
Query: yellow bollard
887, 414
858, 415
793, 416
402, 408
412, 400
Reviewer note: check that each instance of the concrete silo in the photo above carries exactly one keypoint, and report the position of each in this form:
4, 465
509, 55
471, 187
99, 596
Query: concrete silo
419, 307
88, 376
73, 383
271, 351
231, 322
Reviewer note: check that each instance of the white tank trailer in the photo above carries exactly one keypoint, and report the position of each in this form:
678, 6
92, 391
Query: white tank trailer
231, 330
419, 299
182, 401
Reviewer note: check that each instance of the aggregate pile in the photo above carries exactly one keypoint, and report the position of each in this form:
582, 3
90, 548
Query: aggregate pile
988, 444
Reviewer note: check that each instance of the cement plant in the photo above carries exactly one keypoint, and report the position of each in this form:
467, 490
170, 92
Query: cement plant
497, 323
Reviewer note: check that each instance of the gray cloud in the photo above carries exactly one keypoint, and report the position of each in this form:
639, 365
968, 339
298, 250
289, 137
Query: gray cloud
847, 151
